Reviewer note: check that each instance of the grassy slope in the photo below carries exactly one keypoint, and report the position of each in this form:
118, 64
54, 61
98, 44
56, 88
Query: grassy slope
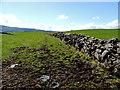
32, 39
98, 33
44, 54
21, 38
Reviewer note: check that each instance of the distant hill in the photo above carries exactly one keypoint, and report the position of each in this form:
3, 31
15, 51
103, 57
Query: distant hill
16, 29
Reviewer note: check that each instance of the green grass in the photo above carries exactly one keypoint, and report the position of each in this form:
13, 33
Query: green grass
36, 39
98, 33
32, 39
47, 55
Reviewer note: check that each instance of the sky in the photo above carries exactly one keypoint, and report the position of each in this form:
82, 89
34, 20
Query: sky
59, 16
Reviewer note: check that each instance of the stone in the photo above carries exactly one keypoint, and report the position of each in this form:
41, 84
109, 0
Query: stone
67, 33
108, 45
54, 84
101, 41
118, 50
98, 50
112, 58
76, 45
117, 61
97, 56
44, 78
113, 40
90, 41
118, 44
93, 47
104, 54
12, 66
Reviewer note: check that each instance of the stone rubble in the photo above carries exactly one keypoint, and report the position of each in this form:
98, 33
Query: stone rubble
105, 51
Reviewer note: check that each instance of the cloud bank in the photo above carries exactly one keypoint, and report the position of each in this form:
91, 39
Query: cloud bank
12, 20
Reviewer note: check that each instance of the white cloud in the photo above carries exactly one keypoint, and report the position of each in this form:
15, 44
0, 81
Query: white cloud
9, 19
113, 24
96, 17
12, 20
110, 25
53, 27
87, 26
63, 17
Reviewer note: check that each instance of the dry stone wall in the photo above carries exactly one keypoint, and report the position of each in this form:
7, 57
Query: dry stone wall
105, 51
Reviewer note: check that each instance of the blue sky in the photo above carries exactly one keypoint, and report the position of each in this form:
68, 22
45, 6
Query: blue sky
60, 16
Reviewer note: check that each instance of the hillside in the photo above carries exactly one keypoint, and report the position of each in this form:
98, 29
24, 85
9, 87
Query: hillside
16, 29
98, 33
38, 60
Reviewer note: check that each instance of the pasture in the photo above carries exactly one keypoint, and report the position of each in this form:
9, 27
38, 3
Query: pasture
98, 33
36, 54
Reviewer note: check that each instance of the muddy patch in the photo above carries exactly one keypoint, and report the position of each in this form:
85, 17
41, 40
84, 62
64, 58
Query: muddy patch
46, 68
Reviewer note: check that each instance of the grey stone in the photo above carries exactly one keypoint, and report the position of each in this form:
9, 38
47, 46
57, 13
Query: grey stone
44, 78
90, 41
101, 41
76, 45
92, 37
104, 54
98, 50
67, 33
97, 55
54, 84
117, 61
108, 45
113, 40
118, 44
112, 58
118, 50
12, 66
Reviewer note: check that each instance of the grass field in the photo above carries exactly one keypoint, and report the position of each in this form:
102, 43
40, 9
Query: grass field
38, 53
98, 33
30, 39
